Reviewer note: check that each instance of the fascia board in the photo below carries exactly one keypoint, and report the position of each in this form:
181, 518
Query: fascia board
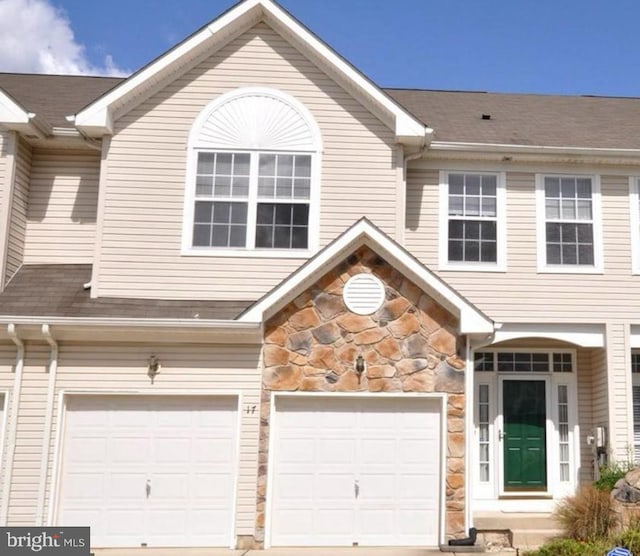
363, 233
97, 116
11, 112
406, 125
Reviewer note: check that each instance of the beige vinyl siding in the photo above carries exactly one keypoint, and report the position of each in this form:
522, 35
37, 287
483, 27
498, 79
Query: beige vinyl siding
521, 294
18, 227
61, 217
3, 166
7, 365
620, 428
25, 480
219, 369
599, 388
585, 370
141, 239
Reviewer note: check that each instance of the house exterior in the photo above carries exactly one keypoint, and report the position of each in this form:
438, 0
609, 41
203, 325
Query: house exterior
249, 298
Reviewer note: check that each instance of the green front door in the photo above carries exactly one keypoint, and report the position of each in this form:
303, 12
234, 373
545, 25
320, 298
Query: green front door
524, 411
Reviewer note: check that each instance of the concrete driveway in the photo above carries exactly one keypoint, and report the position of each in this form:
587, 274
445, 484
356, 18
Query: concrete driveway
303, 551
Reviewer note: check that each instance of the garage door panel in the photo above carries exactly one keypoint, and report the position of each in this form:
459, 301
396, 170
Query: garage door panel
389, 446
154, 441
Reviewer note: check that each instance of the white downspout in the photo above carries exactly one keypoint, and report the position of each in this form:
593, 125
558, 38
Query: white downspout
468, 426
46, 442
13, 423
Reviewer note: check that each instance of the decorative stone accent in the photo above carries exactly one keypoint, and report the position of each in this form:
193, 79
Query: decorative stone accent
409, 345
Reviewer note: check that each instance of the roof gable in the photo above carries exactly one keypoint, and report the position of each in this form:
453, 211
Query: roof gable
97, 118
363, 232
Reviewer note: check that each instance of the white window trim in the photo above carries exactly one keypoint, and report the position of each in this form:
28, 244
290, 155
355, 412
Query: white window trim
501, 225
634, 214
598, 264
193, 148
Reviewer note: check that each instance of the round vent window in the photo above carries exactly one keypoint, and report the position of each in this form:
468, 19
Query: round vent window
363, 294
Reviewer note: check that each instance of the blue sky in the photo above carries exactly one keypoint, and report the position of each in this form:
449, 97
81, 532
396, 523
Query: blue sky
535, 46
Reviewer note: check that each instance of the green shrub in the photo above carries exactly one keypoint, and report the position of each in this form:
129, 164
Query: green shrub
610, 474
588, 515
572, 547
629, 539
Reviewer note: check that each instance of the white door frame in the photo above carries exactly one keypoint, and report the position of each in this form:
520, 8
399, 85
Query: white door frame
361, 395
64, 395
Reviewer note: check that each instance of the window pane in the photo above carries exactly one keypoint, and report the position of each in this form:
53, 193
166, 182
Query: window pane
204, 186
220, 237
266, 187
283, 214
205, 163
237, 236
241, 164
222, 186
488, 252
567, 187
223, 163
456, 229
285, 165
472, 206
552, 187
488, 206
569, 254
489, 185
240, 187
553, 254
569, 209
300, 215
301, 188
201, 235
484, 413
472, 251
303, 166
456, 184
221, 213
584, 233
585, 254
584, 210
456, 250
267, 165
472, 230
488, 231
472, 184
239, 213
282, 237
553, 233
300, 238
284, 188
203, 212
584, 188
264, 236
552, 209
456, 205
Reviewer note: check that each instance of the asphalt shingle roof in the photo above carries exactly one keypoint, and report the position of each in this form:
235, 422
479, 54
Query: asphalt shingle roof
56, 290
547, 120
54, 97
523, 119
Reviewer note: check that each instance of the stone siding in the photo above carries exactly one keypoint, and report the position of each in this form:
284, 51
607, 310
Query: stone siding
409, 345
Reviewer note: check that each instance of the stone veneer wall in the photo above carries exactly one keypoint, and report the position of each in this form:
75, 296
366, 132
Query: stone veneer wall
409, 345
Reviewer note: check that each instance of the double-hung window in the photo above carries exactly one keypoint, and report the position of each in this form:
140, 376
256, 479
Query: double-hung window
570, 223
473, 217
252, 200
253, 177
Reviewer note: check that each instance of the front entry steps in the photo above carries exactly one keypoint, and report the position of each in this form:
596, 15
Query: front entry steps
525, 531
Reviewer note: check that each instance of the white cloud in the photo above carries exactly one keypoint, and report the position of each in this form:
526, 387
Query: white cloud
36, 37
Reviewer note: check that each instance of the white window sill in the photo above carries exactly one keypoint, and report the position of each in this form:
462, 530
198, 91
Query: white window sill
473, 267
249, 253
570, 269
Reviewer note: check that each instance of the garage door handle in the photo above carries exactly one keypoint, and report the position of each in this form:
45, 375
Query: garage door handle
356, 489
147, 487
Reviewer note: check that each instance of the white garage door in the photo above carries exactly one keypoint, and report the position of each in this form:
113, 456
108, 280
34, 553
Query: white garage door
356, 471
150, 470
